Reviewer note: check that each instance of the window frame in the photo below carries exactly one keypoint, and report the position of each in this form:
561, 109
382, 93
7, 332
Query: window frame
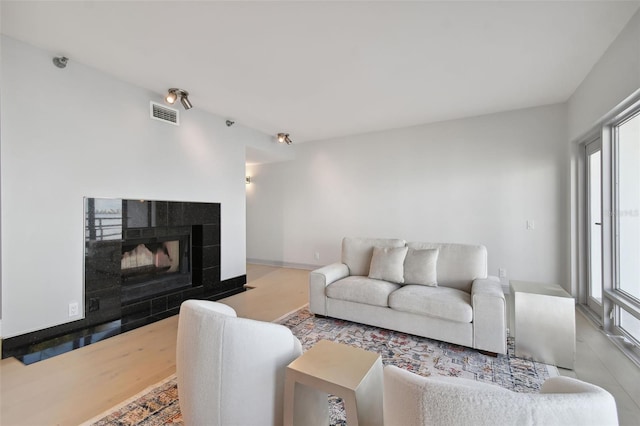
617, 299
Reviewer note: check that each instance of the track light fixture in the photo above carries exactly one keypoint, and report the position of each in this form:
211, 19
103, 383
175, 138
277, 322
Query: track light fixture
60, 61
284, 138
173, 95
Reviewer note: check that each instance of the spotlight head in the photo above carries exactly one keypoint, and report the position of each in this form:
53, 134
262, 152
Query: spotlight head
184, 100
60, 61
171, 96
230, 123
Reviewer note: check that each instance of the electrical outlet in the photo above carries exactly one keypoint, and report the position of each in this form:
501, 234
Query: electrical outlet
73, 309
531, 225
502, 273
94, 304
316, 255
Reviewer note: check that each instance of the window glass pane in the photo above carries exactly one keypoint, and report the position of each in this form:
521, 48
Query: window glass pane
628, 212
630, 324
595, 234
103, 219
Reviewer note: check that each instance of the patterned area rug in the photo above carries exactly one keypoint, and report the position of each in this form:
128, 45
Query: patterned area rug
155, 406
158, 405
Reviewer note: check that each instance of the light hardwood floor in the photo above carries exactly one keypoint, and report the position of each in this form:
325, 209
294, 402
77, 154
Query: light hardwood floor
71, 388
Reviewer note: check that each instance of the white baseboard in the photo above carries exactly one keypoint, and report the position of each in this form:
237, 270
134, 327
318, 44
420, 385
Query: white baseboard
280, 264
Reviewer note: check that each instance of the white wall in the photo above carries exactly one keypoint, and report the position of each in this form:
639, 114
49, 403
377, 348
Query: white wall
476, 180
614, 78
75, 132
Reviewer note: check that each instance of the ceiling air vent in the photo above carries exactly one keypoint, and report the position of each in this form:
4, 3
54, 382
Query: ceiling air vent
166, 114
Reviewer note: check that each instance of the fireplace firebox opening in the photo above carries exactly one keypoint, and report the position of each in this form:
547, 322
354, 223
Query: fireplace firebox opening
154, 266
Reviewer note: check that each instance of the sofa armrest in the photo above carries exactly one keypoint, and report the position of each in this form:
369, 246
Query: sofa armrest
489, 315
318, 280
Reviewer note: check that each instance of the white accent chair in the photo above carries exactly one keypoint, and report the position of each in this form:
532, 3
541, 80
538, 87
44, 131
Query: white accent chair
231, 370
410, 399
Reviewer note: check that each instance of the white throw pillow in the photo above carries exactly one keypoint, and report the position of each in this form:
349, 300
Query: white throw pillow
387, 263
420, 267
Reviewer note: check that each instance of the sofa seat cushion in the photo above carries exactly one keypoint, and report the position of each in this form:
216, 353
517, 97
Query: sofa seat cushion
362, 290
440, 302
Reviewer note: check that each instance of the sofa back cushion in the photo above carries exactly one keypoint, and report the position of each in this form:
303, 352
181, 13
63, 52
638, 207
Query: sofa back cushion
458, 264
357, 252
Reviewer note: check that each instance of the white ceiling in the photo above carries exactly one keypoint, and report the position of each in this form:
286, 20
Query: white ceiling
329, 69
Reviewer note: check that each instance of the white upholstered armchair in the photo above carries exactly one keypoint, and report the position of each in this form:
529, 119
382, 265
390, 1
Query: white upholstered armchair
414, 400
231, 370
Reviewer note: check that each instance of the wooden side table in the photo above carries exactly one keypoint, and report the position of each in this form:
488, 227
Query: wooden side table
545, 323
351, 373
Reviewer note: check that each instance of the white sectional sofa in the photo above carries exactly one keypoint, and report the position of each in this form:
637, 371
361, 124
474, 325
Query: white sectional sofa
439, 291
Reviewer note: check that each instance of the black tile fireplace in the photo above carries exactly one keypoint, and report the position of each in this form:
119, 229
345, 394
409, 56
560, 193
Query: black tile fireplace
143, 258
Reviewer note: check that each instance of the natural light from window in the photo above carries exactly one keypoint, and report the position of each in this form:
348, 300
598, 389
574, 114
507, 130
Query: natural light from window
630, 324
595, 228
628, 209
